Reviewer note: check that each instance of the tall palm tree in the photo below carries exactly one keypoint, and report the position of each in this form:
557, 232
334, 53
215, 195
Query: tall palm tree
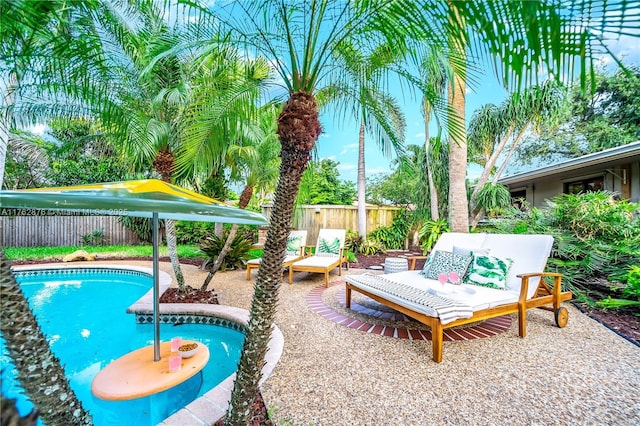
301, 38
361, 90
39, 370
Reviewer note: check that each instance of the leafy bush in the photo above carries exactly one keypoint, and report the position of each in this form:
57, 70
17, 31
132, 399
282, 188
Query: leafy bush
394, 236
95, 238
495, 199
140, 225
632, 288
371, 247
353, 241
596, 238
238, 254
430, 231
189, 232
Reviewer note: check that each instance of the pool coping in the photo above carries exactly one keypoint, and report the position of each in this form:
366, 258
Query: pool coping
213, 405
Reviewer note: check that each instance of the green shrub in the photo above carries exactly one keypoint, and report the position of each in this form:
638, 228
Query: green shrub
238, 254
632, 289
95, 238
141, 226
371, 247
188, 232
430, 231
394, 236
596, 238
353, 241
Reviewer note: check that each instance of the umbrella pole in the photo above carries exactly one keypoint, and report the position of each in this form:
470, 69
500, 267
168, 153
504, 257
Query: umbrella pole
156, 290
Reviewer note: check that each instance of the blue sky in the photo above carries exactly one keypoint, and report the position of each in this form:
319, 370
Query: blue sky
339, 140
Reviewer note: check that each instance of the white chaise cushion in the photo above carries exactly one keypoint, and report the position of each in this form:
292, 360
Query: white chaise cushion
529, 254
473, 296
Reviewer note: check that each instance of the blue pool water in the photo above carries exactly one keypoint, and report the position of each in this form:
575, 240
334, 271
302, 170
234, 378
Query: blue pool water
82, 313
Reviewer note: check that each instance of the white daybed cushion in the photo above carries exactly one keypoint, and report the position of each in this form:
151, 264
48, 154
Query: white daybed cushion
529, 254
476, 297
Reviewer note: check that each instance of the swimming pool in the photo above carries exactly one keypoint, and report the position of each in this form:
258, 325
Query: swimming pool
82, 313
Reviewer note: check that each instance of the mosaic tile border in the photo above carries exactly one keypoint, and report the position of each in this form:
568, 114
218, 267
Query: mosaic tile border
178, 319
72, 271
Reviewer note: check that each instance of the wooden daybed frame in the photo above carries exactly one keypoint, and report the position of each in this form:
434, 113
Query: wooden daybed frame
545, 295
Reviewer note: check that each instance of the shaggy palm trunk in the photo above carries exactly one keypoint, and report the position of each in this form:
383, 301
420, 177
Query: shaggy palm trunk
11, 416
245, 197
39, 370
298, 131
163, 164
362, 206
458, 204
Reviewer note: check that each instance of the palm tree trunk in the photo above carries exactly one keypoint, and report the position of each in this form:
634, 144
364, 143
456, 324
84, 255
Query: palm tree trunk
163, 164
514, 145
362, 207
39, 370
458, 204
433, 193
298, 130
172, 247
245, 197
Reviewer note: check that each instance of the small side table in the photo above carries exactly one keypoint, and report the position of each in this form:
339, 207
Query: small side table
395, 264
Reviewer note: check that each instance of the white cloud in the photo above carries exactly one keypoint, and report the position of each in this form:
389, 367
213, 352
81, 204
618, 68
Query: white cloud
376, 170
420, 135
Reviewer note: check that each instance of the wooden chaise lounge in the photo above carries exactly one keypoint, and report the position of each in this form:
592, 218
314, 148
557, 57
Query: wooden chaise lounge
422, 299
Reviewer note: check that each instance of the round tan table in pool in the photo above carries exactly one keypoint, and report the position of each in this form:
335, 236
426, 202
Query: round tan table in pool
135, 374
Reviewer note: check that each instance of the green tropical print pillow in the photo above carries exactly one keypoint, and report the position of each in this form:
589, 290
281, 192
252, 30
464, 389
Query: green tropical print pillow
293, 244
489, 271
328, 248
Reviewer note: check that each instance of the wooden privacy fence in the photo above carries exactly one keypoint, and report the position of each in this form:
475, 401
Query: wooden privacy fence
50, 231
313, 218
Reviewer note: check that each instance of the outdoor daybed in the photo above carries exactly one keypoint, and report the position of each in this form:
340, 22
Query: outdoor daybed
499, 289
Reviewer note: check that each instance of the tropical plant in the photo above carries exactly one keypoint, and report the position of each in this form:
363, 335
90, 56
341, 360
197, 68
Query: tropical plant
394, 236
95, 238
430, 231
39, 370
494, 198
237, 254
371, 247
493, 128
596, 238
353, 241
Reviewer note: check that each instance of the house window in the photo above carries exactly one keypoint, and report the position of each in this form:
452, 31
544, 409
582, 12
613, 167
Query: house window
584, 185
518, 199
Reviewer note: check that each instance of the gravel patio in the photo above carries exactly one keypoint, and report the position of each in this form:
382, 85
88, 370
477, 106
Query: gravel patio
330, 374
